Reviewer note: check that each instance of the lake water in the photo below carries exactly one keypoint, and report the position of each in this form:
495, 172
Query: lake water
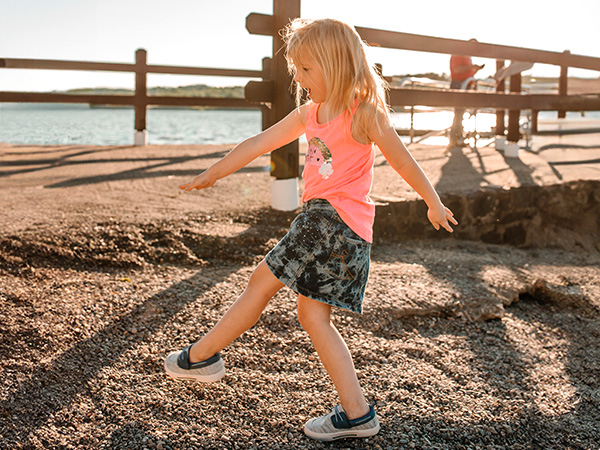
58, 124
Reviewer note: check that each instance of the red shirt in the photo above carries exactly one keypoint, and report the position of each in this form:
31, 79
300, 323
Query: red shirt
457, 61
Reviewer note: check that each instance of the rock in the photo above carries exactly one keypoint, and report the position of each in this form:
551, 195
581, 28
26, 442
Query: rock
525, 216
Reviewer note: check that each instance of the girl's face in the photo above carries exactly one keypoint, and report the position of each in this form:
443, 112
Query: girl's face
310, 77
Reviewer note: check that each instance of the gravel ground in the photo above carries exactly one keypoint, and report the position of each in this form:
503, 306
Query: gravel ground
88, 312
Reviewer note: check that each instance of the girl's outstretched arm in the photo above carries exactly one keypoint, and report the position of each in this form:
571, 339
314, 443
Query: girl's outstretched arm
283, 132
396, 153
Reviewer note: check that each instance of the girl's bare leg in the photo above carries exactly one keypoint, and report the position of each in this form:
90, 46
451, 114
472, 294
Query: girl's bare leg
314, 317
242, 315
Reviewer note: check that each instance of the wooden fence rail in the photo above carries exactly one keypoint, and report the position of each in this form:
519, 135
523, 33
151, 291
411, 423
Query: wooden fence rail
140, 100
273, 89
52, 64
565, 60
271, 94
514, 101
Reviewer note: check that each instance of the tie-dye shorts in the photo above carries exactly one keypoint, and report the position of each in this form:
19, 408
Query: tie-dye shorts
322, 258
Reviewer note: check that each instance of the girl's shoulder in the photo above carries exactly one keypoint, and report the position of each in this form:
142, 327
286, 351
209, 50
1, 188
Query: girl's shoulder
379, 125
305, 109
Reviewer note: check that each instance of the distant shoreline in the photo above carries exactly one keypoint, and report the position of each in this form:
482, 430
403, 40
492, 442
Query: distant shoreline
576, 85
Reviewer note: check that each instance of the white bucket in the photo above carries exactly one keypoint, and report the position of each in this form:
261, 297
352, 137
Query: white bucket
511, 150
284, 194
500, 143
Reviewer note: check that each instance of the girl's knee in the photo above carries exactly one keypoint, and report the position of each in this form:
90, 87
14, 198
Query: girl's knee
312, 314
262, 280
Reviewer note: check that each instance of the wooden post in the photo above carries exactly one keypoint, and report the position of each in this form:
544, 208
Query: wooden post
285, 163
563, 83
141, 93
411, 131
534, 121
266, 108
500, 88
514, 114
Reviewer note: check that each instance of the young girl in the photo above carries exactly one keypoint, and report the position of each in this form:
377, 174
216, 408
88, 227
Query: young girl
325, 255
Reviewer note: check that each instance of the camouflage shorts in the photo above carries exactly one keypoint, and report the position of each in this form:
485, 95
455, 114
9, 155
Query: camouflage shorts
322, 258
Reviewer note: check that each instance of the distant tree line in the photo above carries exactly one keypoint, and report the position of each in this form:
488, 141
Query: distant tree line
203, 90
196, 90
430, 75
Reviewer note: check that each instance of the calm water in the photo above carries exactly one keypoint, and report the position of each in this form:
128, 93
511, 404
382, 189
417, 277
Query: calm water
56, 124
46, 124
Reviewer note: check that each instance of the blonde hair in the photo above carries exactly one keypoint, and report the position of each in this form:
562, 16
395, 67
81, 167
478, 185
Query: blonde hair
340, 54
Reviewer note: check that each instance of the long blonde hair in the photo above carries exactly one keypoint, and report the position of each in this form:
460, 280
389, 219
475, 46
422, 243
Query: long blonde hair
340, 54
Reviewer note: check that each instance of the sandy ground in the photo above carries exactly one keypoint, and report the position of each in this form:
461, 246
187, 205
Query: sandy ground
83, 183
105, 267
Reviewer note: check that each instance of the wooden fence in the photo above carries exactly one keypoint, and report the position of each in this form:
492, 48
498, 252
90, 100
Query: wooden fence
140, 100
273, 96
514, 101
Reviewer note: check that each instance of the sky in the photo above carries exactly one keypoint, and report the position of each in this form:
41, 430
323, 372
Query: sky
212, 33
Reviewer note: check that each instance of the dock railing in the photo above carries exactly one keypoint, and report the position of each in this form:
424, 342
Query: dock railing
272, 94
514, 101
139, 99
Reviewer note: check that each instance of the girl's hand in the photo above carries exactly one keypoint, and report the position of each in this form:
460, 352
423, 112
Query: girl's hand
440, 216
202, 181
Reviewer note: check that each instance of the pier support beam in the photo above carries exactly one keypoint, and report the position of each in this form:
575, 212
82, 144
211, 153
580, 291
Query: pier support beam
501, 89
285, 163
140, 100
563, 83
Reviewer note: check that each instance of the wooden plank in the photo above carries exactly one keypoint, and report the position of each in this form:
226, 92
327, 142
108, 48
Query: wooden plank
421, 43
180, 70
567, 103
47, 97
400, 97
260, 91
452, 98
262, 24
199, 101
47, 64
52, 64
129, 100
468, 99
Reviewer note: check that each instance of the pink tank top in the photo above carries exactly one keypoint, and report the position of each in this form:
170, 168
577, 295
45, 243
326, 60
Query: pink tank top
340, 170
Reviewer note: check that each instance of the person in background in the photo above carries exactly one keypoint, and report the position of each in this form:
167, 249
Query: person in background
461, 69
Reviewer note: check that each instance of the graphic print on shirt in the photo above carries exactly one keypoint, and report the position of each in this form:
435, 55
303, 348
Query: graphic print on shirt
319, 155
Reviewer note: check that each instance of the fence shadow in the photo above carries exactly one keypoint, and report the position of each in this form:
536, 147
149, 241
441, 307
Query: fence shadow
35, 400
41, 164
148, 171
505, 369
